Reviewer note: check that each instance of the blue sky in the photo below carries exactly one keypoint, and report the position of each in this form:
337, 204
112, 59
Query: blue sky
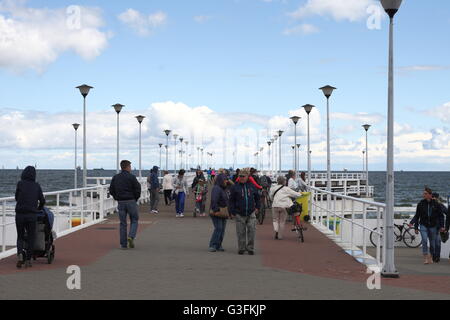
235, 57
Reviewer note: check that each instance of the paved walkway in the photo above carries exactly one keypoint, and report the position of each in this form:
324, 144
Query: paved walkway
171, 261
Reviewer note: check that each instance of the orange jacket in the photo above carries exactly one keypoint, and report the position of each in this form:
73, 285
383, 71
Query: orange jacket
252, 180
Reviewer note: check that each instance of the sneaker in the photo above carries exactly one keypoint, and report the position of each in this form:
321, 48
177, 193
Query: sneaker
177, 215
181, 215
241, 252
131, 243
123, 248
212, 250
20, 261
251, 253
221, 249
28, 264
276, 235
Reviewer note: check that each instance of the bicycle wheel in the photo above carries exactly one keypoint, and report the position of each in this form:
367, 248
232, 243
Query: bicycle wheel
411, 239
374, 237
261, 215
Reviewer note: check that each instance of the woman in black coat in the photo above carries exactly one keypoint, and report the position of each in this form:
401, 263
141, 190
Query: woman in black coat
29, 202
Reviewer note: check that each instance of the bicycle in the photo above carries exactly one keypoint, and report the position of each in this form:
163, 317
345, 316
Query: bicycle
264, 205
401, 233
299, 228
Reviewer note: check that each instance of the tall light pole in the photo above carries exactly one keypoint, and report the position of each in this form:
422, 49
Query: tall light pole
389, 270
198, 158
262, 158
201, 162
275, 158
175, 137
84, 90
308, 108
367, 127
181, 148
294, 158
76, 126
140, 119
273, 155
328, 91
295, 120
186, 164
298, 158
160, 156
167, 132
118, 108
269, 143
280, 133
364, 161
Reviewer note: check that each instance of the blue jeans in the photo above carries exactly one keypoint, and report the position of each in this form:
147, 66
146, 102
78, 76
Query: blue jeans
26, 234
219, 232
179, 201
128, 208
428, 234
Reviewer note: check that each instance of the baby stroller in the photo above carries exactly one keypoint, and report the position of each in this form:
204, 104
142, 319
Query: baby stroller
43, 244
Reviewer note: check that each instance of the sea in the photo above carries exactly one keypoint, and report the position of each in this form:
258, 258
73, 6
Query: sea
409, 185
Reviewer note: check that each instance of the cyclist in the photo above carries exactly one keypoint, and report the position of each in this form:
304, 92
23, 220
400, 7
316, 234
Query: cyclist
200, 189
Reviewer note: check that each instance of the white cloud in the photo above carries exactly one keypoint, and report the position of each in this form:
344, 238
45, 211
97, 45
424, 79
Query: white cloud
442, 112
301, 29
351, 10
202, 18
142, 24
34, 38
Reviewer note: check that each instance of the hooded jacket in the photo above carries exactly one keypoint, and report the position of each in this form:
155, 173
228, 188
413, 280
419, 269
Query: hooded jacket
428, 214
153, 179
219, 197
29, 196
244, 199
125, 187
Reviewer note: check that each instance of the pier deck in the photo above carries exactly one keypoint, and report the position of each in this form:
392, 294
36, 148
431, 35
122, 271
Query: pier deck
171, 261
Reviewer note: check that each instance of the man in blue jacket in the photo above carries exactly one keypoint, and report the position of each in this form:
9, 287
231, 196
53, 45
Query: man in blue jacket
154, 188
243, 205
126, 190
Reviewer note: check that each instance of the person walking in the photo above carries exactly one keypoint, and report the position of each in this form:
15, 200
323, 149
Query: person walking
438, 244
181, 191
126, 190
29, 202
430, 219
219, 213
282, 200
292, 180
167, 187
154, 188
200, 189
243, 205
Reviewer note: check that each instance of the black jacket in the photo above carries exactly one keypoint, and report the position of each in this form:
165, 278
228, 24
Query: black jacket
219, 197
244, 199
447, 221
429, 214
125, 187
29, 193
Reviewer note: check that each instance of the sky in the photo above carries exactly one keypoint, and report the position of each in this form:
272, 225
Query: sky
224, 74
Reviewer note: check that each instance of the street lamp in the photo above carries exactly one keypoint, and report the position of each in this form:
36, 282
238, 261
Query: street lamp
293, 162
308, 108
275, 162
201, 163
280, 133
298, 158
160, 154
118, 108
175, 137
295, 119
328, 91
167, 132
389, 270
76, 126
140, 119
181, 148
187, 154
262, 158
84, 90
367, 127
269, 143
198, 158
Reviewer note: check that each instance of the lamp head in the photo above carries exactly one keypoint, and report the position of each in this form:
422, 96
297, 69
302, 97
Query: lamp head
366, 127
295, 119
269, 143
140, 119
308, 108
299, 145
280, 133
76, 126
160, 145
181, 139
118, 107
327, 91
167, 132
84, 89
175, 136
391, 6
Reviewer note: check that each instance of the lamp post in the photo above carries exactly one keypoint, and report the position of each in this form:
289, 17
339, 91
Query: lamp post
181, 148
160, 156
295, 119
298, 158
175, 137
262, 158
328, 91
389, 270
140, 119
167, 132
186, 164
76, 126
275, 156
201, 162
294, 158
198, 157
84, 90
364, 161
269, 143
118, 108
367, 127
280, 133
308, 108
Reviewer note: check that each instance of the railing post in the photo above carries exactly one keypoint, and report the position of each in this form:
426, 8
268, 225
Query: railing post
57, 213
101, 199
343, 219
3, 226
82, 207
352, 230
364, 229
70, 209
378, 239
334, 214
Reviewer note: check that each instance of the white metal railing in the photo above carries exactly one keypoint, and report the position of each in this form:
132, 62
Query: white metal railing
327, 209
338, 176
89, 205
